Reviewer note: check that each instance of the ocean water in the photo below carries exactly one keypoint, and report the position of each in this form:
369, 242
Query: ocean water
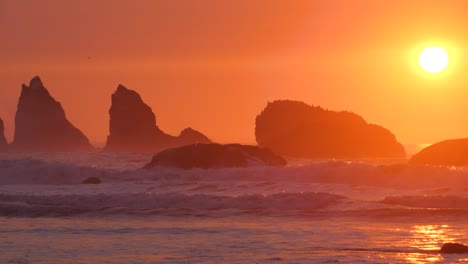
309, 212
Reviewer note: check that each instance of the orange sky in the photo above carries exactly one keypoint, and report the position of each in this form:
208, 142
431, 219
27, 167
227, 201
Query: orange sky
213, 65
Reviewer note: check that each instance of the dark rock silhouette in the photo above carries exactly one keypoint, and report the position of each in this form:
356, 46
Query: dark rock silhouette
41, 124
92, 180
133, 126
453, 152
3, 142
189, 136
215, 156
293, 128
454, 248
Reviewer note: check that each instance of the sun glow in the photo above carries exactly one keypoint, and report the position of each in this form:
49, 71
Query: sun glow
434, 59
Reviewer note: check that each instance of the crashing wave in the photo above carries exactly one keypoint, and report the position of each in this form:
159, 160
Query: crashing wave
428, 201
52, 205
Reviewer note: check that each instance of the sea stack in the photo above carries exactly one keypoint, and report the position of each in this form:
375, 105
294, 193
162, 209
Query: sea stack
3, 142
132, 126
41, 124
453, 152
295, 129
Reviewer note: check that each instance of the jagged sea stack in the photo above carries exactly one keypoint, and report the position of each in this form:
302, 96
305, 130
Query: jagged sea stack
41, 124
293, 128
3, 142
132, 126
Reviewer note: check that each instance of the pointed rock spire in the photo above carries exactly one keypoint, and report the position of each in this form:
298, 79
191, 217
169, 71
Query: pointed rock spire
3, 142
41, 124
36, 83
133, 127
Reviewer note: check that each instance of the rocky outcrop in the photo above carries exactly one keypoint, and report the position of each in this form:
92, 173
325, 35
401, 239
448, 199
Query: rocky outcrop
209, 156
453, 152
133, 126
41, 124
189, 136
91, 180
3, 142
292, 128
454, 248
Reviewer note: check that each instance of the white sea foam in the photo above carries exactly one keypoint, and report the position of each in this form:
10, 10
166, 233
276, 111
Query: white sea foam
49, 185
315, 212
429, 201
35, 171
208, 204
39, 205
32, 171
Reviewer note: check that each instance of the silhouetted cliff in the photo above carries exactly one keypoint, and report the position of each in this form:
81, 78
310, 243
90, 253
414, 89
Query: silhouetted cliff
41, 124
133, 126
3, 142
295, 129
453, 152
208, 156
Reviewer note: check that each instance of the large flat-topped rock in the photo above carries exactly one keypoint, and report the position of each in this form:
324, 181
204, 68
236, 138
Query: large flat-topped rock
293, 128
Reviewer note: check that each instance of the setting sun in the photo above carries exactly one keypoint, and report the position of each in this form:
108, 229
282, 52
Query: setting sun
246, 131
434, 59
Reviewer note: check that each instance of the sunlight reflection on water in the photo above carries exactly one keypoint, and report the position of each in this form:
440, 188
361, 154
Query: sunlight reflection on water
226, 240
430, 237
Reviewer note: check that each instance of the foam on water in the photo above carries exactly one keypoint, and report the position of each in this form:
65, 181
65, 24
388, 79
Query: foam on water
426, 201
49, 184
33, 205
309, 212
35, 171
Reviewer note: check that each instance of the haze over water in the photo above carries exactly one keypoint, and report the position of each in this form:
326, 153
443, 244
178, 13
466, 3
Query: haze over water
112, 154
198, 63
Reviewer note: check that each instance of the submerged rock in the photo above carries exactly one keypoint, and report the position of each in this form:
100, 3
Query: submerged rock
133, 126
453, 152
215, 156
92, 180
454, 248
41, 124
293, 128
3, 142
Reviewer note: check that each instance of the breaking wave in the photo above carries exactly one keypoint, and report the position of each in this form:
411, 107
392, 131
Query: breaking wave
33, 171
37, 187
148, 203
178, 204
426, 201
